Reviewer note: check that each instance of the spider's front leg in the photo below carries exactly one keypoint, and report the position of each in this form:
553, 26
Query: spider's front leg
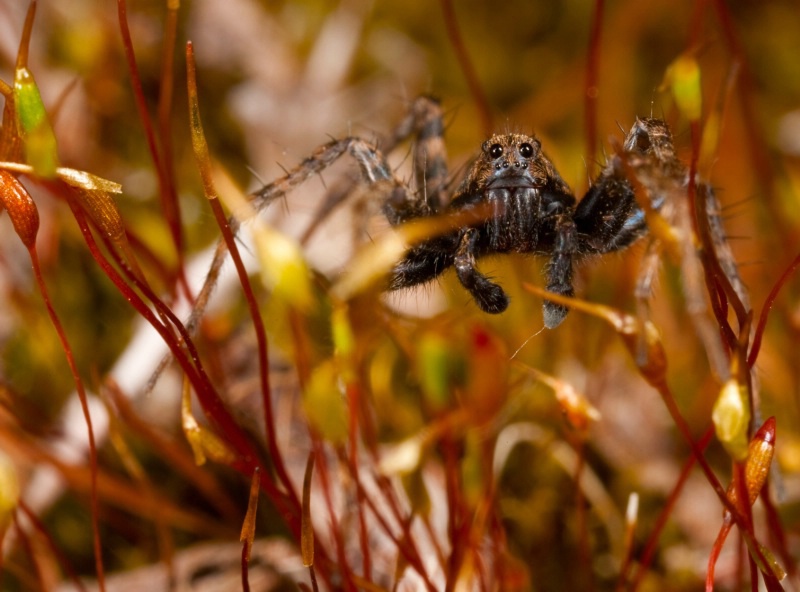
424, 262
489, 296
559, 269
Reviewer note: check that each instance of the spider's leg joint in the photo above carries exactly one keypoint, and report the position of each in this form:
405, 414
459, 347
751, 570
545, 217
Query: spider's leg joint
372, 163
488, 296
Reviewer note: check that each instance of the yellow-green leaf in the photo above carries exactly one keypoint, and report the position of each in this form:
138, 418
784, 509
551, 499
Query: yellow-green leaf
205, 444
683, 77
41, 150
324, 403
283, 268
435, 369
731, 416
9, 489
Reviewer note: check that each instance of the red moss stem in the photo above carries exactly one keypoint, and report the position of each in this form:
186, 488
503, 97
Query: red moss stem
652, 540
321, 465
167, 193
768, 303
353, 405
592, 85
95, 507
25, 541
62, 559
467, 67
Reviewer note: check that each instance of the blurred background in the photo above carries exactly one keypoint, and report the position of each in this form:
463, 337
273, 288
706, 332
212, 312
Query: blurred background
277, 79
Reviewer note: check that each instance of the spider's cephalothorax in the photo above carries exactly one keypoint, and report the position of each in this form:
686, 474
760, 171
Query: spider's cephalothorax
526, 206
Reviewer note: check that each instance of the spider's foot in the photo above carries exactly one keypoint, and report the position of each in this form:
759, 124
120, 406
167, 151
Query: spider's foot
491, 298
553, 314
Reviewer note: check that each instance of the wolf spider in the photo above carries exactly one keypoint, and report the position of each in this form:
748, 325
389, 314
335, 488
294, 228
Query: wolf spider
528, 206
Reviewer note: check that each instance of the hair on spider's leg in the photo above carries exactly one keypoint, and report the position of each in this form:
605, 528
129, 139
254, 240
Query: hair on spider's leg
608, 218
421, 109
425, 120
424, 263
430, 155
559, 271
648, 272
488, 296
319, 160
371, 162
721, 242
334, 197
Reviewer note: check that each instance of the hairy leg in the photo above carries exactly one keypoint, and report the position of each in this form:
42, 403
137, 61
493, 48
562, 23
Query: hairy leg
430, 154
560, 270
488, 296
608, 217
665, 181
371, 162
722, 249
424, 121
422, 264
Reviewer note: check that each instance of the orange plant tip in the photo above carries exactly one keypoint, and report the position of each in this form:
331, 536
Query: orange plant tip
766, 433
21, 208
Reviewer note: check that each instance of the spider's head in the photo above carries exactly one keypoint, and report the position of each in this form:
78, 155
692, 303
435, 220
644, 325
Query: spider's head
512, 160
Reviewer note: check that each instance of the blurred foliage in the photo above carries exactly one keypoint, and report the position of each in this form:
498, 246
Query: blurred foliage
414, 404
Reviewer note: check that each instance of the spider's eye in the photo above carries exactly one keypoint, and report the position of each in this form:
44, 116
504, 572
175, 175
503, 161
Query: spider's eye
495, 151
526, 150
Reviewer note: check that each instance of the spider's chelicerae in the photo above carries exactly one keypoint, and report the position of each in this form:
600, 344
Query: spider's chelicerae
527, 207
